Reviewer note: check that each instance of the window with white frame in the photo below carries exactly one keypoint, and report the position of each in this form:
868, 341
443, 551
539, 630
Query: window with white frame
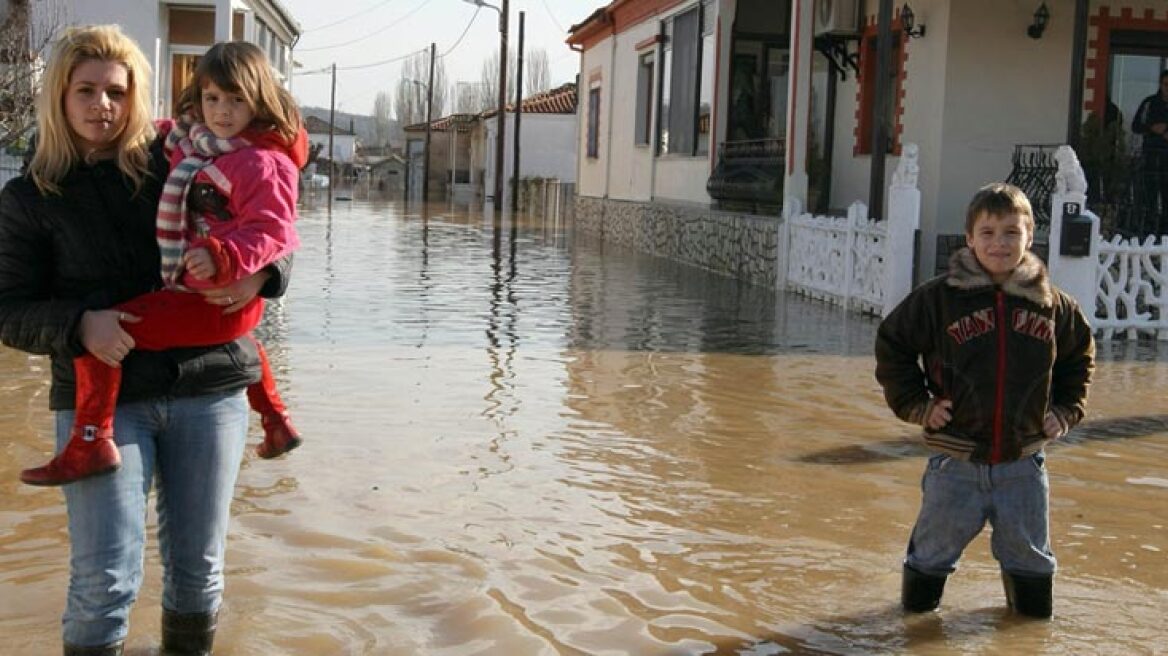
687, 54
593, 144
706, 80
644, 118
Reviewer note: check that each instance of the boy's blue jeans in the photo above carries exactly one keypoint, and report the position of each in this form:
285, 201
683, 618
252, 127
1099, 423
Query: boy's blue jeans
191, 447
960, 497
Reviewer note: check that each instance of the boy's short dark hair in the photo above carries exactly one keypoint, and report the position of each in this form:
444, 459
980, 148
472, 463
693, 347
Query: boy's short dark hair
999, 199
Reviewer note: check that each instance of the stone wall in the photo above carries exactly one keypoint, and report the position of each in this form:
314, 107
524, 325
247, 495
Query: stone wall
741, 246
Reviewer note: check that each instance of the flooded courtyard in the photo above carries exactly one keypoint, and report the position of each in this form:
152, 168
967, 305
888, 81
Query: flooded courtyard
523, 441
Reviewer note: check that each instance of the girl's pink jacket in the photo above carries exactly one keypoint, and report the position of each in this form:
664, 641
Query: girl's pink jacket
260, 183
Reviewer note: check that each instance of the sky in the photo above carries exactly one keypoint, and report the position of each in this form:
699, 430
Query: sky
357, 35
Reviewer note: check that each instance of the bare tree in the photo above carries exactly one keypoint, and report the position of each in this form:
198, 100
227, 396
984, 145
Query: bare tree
470, 98
490, 80
537, 72
382, 124
410, 102
25, 33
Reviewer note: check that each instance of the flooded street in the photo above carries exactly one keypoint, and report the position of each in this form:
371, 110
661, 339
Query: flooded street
522, 441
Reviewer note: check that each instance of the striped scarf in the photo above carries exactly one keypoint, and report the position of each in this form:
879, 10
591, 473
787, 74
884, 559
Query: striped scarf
199, 147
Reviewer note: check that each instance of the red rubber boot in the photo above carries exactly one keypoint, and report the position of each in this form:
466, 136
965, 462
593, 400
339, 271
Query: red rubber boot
91, 450
280, 436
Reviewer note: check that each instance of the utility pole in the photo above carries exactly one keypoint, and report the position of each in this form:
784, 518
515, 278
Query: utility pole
500, 143
332, 115
518, 113
429, 111
880, 109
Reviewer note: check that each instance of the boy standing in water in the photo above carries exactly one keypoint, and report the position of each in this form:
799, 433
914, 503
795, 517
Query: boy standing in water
994, 362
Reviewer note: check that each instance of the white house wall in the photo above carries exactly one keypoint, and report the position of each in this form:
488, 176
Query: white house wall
1004, 89
624, 170
631, 173
596, 69
976, 85
548, 146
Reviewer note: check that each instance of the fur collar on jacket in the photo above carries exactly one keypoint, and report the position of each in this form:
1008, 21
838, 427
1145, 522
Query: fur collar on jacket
1029, 281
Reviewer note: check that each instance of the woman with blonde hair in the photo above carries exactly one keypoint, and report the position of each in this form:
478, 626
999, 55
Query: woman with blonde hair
77, 237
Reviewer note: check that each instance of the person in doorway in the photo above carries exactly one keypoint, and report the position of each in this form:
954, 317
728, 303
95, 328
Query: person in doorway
1151, 122
994, 362
78, 235
234, 156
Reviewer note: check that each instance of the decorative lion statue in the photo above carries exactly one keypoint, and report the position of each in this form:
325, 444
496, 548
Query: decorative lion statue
1070, 178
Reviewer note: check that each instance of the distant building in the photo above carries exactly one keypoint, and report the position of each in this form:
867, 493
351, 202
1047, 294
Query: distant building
462, 146
344, 141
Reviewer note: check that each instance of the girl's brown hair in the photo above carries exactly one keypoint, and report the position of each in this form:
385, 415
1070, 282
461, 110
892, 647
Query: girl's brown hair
241, 67
56, 151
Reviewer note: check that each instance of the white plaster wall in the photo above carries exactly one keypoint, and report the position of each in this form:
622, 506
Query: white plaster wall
682, 178
976, 86
547, 146
138, 18
593, 170
344, 145
631, 174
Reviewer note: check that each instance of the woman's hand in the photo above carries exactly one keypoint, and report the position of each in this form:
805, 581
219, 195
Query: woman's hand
102, 335
237, 295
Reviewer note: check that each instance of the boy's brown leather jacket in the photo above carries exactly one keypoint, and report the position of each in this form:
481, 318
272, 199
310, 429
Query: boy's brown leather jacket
1004, 355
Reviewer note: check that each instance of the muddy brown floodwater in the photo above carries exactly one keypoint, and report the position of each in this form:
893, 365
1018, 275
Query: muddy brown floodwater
522, 441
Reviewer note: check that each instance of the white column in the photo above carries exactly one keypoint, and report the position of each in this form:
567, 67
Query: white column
798, 100
1075, 275
904, 217
222, 20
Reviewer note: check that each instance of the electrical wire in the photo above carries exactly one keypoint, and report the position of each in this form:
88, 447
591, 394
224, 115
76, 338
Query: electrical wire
553, 17
377, 32
338, 22
463, 35
382, 62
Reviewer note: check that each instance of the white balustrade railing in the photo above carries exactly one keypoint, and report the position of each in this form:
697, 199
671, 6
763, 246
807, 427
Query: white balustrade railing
1132, 284
1121, 284
854, 261
838, 259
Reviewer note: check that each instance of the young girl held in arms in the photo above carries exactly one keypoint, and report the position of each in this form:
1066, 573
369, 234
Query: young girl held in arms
226, 212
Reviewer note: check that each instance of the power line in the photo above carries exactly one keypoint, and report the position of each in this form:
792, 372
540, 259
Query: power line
338, 22
378, 32
553, 16
464, 31
382, 62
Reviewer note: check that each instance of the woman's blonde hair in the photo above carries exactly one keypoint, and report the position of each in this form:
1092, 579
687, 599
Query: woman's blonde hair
56, 151
241, 67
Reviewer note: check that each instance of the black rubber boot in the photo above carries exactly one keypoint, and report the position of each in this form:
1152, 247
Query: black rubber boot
188, 634
1032, 596
920, 593
114, 649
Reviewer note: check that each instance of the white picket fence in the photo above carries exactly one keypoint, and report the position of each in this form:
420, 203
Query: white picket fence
1132, 295
838, 259
854, 261
1122, 284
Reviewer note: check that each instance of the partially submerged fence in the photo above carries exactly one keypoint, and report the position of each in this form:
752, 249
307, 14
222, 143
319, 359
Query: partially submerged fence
854, 261
1121, 283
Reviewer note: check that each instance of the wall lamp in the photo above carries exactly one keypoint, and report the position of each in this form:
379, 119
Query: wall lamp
908, 21
1041, 18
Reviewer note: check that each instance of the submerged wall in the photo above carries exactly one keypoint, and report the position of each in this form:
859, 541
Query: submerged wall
741, 246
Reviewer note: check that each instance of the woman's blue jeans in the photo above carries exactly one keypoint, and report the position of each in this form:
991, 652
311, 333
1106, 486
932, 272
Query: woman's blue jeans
191, 447
960, 497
